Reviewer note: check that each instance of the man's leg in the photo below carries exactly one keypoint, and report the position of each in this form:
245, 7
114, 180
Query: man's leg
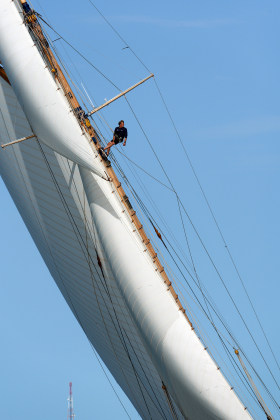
108, 147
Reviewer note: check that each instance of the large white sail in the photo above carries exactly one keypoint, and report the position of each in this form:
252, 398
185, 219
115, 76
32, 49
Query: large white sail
197, 386
58, 218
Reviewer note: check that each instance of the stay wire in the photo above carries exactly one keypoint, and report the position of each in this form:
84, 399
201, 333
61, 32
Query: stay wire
97, 357
197, 278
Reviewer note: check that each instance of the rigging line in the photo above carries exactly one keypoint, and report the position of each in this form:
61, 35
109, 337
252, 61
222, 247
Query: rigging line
212, 262
223, 323
216, 223
197, 278
79, 53
97, 357
119, 36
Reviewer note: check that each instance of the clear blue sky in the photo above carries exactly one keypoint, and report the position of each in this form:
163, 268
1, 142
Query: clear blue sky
217, 64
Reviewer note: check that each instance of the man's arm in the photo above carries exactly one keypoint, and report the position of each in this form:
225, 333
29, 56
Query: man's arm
124, 143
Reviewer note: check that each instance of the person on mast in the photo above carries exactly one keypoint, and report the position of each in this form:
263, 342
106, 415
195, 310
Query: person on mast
120, 135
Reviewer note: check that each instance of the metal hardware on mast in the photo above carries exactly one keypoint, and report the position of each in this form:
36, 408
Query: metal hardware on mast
258, 395
17, 141
118, 96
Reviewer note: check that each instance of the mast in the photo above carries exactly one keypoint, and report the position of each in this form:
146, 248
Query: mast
71, 414
33, 23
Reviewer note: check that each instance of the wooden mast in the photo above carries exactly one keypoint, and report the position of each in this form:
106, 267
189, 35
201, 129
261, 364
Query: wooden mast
53, 66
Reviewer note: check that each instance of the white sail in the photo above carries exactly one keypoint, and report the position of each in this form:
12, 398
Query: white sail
198, 388
66, 240
44, 104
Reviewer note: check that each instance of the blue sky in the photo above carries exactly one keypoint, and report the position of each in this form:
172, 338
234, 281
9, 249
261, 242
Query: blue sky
217, 65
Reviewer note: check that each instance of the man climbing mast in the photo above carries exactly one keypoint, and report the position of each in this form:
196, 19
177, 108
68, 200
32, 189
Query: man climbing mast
120, 135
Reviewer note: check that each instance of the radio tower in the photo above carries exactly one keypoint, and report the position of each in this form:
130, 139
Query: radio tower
71, 414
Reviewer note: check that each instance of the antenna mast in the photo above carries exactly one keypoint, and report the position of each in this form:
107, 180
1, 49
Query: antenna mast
71, 414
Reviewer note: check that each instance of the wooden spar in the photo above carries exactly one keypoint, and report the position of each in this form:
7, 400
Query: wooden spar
17, 141
120, 94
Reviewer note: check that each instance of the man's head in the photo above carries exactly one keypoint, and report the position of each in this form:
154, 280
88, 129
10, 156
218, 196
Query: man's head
121, 123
